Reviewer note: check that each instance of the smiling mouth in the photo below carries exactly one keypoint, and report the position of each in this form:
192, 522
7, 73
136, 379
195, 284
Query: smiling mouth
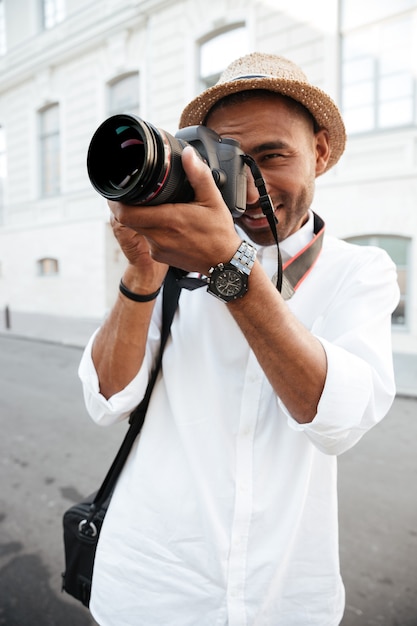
254, 221
255, 216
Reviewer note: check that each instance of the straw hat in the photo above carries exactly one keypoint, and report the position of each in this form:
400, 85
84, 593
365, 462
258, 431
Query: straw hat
273, 73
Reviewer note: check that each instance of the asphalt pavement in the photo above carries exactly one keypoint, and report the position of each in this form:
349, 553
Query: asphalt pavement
52, 455
71, 331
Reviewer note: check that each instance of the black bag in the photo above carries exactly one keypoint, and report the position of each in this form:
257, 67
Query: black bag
82, 522
80, 542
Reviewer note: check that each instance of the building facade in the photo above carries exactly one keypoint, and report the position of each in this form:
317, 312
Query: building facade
66, 65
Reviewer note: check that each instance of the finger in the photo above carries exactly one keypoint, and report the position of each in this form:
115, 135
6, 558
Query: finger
124, 217
200, 178
113, 220
117, 226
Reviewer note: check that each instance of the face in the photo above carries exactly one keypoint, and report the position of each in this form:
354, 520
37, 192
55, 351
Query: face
289, 154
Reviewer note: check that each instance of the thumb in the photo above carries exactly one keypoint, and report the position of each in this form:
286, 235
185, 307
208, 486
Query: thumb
200, 178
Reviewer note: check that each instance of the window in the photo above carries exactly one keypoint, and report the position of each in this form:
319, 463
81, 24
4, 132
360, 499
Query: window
219, 50
2, 173
2, 28
123, 95
49, 140
48, 267
53, 12
399, 250
378, 78
357, 12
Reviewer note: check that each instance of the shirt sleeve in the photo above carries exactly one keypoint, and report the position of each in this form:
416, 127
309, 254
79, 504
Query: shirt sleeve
119, 406
356, 335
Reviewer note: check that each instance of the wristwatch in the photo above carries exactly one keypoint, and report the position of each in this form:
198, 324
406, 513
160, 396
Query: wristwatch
229, 281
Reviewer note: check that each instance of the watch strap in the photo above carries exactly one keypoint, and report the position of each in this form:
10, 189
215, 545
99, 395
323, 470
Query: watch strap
240, 264
244, 257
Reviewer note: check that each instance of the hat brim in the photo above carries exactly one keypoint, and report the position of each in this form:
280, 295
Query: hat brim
320, 105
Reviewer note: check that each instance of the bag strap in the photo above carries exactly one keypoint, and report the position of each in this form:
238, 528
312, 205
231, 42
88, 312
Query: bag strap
170, 296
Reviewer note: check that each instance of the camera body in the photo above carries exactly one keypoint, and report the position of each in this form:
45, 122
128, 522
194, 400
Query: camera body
131, 161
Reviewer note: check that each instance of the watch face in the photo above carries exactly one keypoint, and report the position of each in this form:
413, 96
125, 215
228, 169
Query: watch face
229, 283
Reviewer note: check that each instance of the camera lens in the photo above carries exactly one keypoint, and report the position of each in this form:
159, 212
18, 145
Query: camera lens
132, 162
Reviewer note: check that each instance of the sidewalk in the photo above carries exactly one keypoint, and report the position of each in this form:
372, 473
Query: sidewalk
405, 366
75, 332
71, 331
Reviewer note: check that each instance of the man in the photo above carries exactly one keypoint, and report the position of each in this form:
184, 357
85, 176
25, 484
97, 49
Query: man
226, 511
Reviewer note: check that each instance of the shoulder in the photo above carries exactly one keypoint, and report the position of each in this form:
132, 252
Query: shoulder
358, 271
338, 250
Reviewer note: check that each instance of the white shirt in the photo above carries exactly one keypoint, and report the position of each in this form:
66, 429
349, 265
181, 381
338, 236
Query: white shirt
226, 511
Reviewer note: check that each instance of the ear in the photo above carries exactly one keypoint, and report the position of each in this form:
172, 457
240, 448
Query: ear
322, 150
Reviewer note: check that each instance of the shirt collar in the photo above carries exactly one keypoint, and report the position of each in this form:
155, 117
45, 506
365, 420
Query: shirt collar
298, 240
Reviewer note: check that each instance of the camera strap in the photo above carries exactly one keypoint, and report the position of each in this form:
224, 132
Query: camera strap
267, 209
289, 276
297, 268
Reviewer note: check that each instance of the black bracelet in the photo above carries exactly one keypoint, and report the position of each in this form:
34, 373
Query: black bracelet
135, 296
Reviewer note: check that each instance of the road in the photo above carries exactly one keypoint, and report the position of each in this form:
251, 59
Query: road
52, 454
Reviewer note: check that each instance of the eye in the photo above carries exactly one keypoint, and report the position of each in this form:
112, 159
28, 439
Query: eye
272, 156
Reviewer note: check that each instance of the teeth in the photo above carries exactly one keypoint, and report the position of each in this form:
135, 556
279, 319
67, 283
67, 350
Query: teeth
257, 216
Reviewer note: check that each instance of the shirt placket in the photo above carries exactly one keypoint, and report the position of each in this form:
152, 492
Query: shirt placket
237, 569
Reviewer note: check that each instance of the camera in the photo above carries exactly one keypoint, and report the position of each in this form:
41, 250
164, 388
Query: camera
131, 161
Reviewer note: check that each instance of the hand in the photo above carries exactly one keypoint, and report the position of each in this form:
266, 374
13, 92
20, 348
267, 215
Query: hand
193, 236
146, 273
